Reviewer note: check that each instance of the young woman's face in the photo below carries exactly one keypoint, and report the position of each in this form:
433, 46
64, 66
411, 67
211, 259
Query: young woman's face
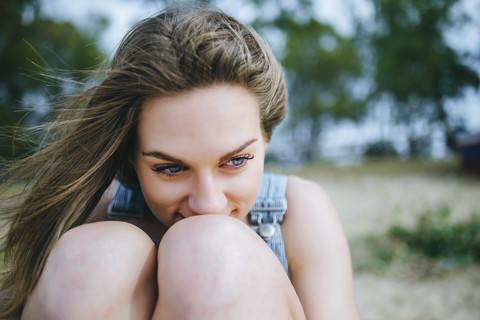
200, 152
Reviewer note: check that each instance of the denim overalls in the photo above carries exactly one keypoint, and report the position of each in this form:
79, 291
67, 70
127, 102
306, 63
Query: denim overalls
265, 216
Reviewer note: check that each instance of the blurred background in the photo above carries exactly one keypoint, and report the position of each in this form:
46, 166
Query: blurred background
383, 112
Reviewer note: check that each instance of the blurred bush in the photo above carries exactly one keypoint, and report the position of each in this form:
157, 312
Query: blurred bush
436, 237
433, 244
41, 59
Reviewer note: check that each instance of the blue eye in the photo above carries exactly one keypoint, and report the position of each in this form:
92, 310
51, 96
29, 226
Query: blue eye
170, 170
238, 162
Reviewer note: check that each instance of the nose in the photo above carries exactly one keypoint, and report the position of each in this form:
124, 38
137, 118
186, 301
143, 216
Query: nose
207, 196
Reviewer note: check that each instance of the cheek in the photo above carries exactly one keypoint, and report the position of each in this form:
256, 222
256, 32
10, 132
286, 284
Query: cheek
156, 197
246, 188
156, 193
163, 201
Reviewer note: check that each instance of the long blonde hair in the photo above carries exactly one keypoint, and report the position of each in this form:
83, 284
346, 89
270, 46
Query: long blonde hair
177, 50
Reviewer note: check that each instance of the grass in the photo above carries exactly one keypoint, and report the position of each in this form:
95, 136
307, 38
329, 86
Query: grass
394, 279
433, 241
410, 216
432, 245
373, 166
435, 237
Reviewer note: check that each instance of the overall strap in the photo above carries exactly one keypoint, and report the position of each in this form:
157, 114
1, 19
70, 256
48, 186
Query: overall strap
267, 213
265, 216
127, 202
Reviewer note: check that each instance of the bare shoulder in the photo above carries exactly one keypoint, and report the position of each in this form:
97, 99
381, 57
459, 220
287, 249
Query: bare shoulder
302, 189
99, 213
312, 229
317, 252
307, 200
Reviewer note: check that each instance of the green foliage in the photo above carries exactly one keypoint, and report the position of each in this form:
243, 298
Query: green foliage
381, 252
410, 39
319, 63
380, 149
321, 68
433, 244
413, 62
435, 237
404, 59
37, 55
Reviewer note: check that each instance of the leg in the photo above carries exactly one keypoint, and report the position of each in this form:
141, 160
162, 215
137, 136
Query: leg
102, 270
215, 267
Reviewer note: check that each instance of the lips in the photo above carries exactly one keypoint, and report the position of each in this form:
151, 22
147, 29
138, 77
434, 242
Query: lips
177, 217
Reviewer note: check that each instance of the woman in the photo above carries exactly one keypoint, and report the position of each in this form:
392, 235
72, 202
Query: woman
182, 119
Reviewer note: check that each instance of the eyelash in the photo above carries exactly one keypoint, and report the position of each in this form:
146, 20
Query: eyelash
162, 169
245, 159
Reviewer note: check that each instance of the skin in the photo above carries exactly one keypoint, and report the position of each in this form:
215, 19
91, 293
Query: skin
180, 179
184, 176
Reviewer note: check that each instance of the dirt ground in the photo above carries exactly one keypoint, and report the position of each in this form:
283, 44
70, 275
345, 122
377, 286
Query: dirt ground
369, 198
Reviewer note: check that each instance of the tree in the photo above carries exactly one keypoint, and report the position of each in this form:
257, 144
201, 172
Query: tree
415, 66
321, 68
33, 51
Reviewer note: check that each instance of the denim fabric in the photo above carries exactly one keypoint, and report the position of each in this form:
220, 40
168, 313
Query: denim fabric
268, 211
265, 216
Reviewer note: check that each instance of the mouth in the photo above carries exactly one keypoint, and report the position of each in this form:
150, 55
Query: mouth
177, 217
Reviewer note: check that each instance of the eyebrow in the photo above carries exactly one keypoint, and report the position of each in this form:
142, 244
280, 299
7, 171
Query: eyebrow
164, 156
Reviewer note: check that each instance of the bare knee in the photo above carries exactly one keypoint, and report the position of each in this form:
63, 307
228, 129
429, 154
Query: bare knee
207, 249
93, 267
215, 265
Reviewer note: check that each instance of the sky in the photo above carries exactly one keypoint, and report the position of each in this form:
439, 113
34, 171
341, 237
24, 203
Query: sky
122, 14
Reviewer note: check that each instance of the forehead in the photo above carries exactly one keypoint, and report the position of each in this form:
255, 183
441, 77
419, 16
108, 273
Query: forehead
224, 114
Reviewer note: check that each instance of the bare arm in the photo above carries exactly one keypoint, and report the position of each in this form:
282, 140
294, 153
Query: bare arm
100, 211
318, 254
